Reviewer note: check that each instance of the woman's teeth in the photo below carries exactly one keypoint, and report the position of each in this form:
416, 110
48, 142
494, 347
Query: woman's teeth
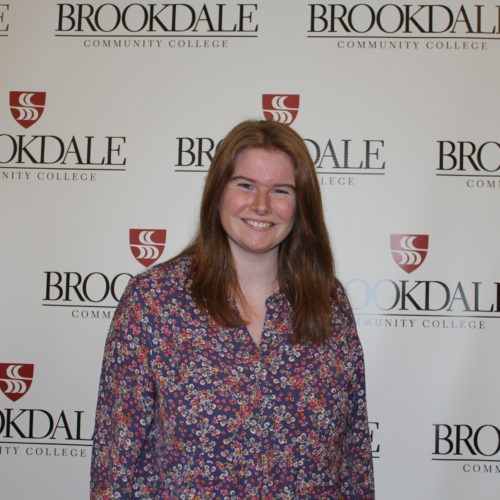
257, 224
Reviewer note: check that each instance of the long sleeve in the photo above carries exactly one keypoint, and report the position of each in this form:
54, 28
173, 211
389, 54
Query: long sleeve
126, 399
356, 472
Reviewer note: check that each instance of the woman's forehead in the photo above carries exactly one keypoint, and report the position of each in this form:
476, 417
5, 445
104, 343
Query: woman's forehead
264, 165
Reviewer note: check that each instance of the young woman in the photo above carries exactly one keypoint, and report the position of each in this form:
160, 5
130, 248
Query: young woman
234, 370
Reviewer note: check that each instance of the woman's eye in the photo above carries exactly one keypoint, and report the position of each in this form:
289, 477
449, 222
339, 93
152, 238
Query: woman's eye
282, 191
244, 185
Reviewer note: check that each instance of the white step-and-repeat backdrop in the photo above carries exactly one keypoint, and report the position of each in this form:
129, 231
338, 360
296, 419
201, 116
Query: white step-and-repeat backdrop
109, 115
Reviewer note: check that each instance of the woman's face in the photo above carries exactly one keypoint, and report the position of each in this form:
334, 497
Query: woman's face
257, 207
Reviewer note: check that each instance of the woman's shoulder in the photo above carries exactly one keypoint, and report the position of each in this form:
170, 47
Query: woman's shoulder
342, 314
340, 299
173, 274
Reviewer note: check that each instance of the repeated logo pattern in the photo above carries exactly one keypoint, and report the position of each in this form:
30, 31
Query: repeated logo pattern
15, 379
147, 244
282, 108
409, 250
27, 107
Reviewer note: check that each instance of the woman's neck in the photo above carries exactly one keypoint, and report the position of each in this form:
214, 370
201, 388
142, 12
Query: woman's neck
257, 279
257, 273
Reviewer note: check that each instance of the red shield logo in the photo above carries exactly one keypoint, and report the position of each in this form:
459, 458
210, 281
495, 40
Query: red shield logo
409, 250
15, 379
281, 108
147, 244
27, 107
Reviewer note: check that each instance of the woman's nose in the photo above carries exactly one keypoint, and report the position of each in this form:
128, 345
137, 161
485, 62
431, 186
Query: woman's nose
260, 204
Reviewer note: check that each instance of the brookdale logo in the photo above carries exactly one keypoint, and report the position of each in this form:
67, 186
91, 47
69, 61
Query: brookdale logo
476, 162
429, 303
454, 26
76, 289
50, 156
147, 244
27, 107
335, 160
15, 379
114, 25
93, 295
409, 250
39, 431
475, 448
282, 108
407, 20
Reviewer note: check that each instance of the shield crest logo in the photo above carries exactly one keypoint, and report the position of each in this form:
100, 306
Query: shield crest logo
409, 250
27, 107
15, 379
147, 244
281, 108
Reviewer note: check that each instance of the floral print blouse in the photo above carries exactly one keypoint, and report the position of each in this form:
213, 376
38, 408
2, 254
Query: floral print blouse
190, 410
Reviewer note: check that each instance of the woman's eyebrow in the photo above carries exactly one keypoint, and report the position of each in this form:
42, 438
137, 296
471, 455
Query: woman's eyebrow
242, 177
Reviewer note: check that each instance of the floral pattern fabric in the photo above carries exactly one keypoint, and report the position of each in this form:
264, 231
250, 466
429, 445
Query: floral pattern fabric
190, 410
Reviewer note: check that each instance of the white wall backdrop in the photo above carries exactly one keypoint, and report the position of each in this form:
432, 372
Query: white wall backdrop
108, 114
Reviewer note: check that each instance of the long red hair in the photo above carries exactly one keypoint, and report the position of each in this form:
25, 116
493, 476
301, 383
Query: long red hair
306, 271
